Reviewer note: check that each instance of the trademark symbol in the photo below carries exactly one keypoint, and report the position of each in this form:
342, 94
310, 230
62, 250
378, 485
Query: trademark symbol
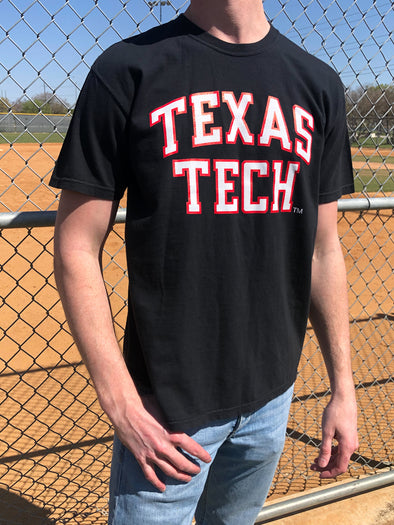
299, 211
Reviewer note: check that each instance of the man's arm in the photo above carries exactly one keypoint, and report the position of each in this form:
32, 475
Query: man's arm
330, 319
82, 226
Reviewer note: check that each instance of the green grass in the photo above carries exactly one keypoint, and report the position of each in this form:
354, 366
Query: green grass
363, 182
39, 138
371, 143
374, 158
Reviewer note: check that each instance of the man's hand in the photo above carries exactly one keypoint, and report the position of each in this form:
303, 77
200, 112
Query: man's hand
154, 446
339, 423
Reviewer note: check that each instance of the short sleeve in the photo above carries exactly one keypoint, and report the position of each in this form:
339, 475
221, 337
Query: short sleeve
92, 159
336, 172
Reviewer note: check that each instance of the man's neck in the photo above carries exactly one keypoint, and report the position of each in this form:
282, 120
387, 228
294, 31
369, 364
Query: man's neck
234, 21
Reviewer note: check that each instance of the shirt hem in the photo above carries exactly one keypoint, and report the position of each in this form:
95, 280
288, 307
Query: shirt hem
335, 195
85, 188
227, 413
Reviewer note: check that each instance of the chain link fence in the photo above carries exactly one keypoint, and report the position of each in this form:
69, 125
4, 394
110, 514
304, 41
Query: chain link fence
55, 442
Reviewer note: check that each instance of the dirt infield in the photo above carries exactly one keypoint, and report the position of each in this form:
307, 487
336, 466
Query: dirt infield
379, 158
25, 170
54, 440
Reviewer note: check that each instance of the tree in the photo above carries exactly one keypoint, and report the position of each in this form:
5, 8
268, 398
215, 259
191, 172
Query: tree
370, 110
5, 105
42, 102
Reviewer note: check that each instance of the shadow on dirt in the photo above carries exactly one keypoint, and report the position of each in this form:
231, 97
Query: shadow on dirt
15, 510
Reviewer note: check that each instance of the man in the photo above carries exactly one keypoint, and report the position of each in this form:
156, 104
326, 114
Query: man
232, 145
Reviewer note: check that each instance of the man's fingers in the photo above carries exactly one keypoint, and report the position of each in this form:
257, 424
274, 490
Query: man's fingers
181, 453
333, 469
150, 466
190, 446
342, 458
324, 459
151, 476
173, 462
170, 470
178, 461
178, 440
174, 465
338, 463
326, 451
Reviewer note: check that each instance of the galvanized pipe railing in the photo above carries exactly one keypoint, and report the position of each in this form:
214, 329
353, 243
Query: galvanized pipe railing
32, 219
324, 497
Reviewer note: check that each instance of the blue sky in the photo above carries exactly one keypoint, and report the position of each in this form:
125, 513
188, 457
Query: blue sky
354, 35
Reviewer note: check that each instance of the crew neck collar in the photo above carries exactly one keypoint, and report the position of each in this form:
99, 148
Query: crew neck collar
227, 47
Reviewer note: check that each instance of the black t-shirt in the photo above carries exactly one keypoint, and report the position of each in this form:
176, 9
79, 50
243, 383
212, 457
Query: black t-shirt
226, 151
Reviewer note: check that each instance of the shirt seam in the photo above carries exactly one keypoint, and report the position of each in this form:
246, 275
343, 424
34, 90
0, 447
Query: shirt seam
109, 90
336, 190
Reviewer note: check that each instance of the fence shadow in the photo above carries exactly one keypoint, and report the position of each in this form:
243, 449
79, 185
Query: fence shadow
15, 510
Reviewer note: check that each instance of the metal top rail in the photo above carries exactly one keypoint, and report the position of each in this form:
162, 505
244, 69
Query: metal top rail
33, 219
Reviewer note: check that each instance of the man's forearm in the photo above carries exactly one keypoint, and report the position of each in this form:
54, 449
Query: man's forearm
85, 302
329, 315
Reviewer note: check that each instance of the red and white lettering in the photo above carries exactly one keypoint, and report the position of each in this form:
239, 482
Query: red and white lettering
166, 114
301, 116
286, 186
192, 168
248, 169
201, 119
274, 126
225, 186
238, 111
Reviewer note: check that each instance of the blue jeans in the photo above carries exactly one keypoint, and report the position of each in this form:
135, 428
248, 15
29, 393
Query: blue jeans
230, 490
